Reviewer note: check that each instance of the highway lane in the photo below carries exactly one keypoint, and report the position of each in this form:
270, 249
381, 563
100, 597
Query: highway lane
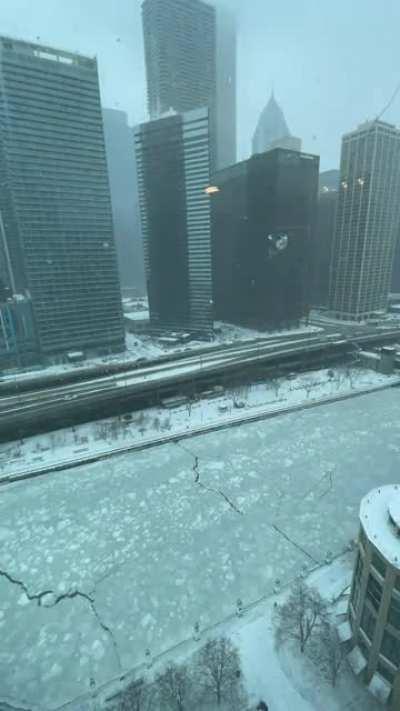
146, 380
171, 369
30, 413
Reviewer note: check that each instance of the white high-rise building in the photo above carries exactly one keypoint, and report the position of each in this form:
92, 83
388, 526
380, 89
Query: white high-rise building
367, 222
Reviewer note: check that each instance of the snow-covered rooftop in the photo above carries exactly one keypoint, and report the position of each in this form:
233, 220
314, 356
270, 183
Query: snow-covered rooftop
380, 518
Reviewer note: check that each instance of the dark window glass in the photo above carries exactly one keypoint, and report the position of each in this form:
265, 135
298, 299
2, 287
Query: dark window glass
387, 673
368, 622
374, 592
391, 648
379, 564
397, 583
394, 612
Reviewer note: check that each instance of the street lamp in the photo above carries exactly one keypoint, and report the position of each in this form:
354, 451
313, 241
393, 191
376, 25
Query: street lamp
212, 190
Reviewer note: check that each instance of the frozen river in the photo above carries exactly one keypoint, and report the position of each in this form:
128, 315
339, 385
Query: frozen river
135, 550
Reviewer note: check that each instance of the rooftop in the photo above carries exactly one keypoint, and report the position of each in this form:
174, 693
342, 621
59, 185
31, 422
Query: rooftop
380, 518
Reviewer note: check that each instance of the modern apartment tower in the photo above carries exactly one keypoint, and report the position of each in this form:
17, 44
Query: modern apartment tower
55, 212
173, 175
367, 223
272, 130
190, 54
124, 198
263, 219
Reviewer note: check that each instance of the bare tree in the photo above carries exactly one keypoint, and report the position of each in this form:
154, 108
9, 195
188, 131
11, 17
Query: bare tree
167, 424
308, 385
276, 385
300, 616
156, 424
137, 697
328, 652
173, 688
219, 666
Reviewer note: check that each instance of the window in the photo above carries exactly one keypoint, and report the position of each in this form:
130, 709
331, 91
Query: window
374, 592
368, 622
386, 672
379, 564
394, 612
391, 648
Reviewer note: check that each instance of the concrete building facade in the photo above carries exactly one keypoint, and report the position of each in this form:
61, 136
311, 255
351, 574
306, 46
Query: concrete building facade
55, 209
367, 224
173, 159
375, 595
263, 218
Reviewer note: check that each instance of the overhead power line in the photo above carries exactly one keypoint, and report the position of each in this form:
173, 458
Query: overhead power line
390, 102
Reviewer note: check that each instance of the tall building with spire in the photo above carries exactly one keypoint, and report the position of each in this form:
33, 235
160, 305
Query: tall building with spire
272, 130
367, 222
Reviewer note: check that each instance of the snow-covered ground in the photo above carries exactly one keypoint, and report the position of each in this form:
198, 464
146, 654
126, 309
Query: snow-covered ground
106, 435
282, 677
129, 553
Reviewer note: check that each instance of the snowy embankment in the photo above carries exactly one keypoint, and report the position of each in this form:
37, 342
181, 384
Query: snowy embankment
280, 676
157, 424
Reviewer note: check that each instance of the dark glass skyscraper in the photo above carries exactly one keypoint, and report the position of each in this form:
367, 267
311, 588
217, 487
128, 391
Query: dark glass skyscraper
367, 222
55, 201
190, 53
173, 174
262, 223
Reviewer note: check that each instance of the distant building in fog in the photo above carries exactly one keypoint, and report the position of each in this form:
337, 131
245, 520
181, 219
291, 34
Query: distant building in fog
173, 173
324, 232
262, 224
190, 54
121, 163
226, 88
367, 222
272, 130
55, 199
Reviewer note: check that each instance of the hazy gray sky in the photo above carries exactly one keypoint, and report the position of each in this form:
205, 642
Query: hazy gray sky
332, 63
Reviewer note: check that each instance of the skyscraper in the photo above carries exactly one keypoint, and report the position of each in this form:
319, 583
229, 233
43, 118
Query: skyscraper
55, 207
367, 222
272, 130
226, 88
324, 233
262, 225
173, 174
190, 53
124, 198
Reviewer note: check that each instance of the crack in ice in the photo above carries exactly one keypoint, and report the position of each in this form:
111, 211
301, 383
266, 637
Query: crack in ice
40, 598
217, 492
296, 545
